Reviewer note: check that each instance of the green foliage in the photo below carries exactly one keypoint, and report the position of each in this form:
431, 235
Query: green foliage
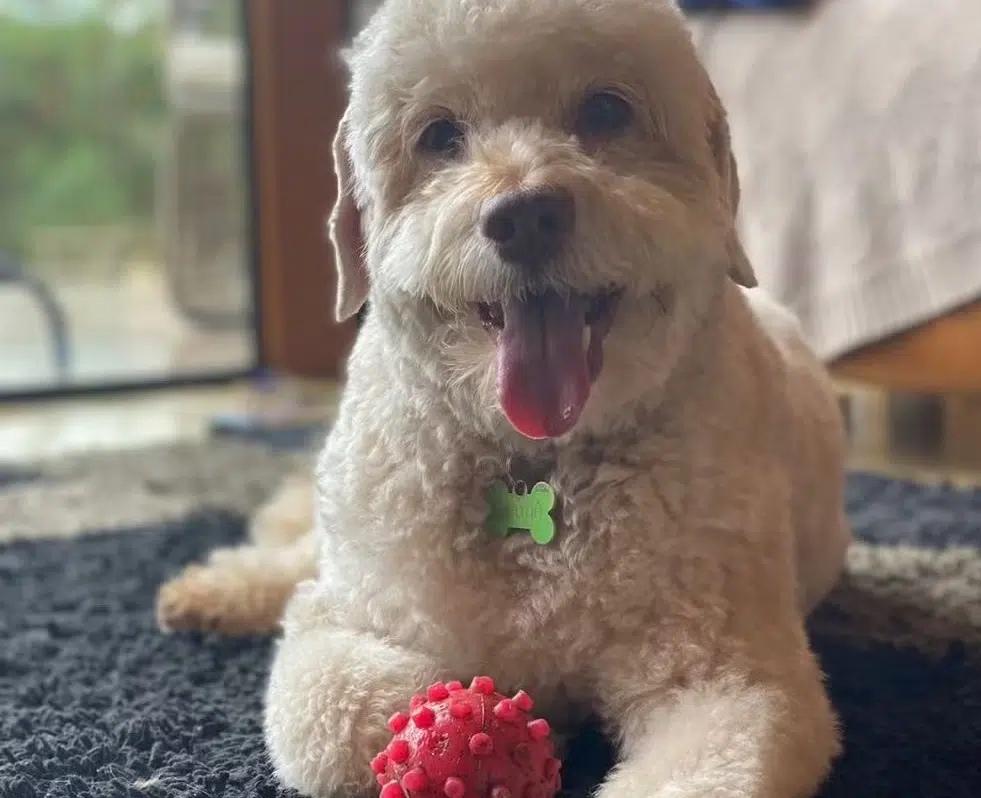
82, 116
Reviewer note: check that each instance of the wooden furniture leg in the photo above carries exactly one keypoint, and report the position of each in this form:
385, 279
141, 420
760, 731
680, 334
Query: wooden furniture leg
929, 381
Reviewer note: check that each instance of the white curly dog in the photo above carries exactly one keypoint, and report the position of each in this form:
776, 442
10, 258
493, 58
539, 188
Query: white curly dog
539, 198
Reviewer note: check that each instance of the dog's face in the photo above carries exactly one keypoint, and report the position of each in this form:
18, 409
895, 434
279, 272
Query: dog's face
548, 183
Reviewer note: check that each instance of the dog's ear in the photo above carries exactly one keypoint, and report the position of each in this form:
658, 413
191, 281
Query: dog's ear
346, 234
740, 269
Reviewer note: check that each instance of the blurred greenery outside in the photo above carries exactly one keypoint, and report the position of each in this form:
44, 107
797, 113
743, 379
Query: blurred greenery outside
83, 114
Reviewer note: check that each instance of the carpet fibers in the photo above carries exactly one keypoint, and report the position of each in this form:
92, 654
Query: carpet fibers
95, 702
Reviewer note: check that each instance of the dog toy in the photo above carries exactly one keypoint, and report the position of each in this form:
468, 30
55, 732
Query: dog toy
458, 742
517, 509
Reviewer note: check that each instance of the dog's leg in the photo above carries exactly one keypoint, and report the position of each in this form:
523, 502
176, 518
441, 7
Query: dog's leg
760, 726
238, 591
288, 515
330, 694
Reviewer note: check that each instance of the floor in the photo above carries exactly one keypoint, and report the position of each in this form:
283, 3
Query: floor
120, 328
43, 430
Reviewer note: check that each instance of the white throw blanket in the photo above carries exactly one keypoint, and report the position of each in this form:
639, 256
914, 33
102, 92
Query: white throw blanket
857, 127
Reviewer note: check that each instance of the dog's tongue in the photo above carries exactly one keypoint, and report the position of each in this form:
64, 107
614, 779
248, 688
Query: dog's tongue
542, 372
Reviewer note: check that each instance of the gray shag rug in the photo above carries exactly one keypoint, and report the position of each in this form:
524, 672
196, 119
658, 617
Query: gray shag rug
95, 702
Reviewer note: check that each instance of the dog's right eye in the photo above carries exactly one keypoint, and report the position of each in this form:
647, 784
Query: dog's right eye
603, 114
442, 137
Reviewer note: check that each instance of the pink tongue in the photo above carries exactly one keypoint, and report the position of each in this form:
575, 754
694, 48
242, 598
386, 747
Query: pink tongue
542, 373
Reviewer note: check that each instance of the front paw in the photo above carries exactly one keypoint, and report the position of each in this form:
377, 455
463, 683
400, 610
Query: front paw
212, 598
196, 601
318, 736
331, 692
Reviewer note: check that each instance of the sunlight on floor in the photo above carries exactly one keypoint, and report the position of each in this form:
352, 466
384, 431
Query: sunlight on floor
41, 430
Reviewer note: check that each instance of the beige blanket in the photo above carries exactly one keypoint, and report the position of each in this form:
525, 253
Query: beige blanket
858, 133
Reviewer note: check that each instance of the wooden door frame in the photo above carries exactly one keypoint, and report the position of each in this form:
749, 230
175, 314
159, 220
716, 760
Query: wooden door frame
296, 96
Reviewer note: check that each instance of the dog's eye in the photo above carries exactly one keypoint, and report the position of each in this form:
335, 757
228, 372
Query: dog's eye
442, 137
603, 114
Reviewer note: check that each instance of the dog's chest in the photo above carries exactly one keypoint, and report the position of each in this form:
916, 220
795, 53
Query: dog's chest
416, 560
511, 589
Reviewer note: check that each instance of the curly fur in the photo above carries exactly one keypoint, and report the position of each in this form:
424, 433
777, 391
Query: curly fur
700, 491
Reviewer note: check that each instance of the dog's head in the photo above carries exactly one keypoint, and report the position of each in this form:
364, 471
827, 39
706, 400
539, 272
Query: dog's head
546, 186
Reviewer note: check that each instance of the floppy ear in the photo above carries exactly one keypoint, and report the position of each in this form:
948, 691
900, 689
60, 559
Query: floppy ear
740, 269
346, 234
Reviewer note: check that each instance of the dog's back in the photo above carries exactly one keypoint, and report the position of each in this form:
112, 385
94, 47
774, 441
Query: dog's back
817, 447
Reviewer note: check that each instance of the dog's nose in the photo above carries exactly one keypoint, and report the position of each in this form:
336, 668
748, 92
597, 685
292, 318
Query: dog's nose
529, 227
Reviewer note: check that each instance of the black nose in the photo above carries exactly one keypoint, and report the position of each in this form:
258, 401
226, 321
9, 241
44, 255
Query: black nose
529, 227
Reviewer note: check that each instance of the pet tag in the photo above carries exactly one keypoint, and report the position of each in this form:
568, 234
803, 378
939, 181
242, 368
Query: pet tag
521, 509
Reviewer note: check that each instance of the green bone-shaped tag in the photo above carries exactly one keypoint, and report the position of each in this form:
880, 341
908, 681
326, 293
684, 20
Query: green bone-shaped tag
531, 511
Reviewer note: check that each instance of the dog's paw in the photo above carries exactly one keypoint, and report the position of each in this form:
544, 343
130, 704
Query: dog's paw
205, 599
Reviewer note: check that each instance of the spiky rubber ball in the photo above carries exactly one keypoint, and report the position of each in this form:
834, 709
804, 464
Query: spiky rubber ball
468, 742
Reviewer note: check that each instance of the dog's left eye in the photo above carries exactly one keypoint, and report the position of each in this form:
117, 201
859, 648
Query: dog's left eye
603, 114
441, 137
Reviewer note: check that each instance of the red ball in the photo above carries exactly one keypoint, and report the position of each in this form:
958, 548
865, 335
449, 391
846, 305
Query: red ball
458, 742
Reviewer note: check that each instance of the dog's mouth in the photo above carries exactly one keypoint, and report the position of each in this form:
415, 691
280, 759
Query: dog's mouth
549, 353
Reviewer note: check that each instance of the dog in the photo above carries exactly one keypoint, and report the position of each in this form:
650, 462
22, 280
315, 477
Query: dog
537, 199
